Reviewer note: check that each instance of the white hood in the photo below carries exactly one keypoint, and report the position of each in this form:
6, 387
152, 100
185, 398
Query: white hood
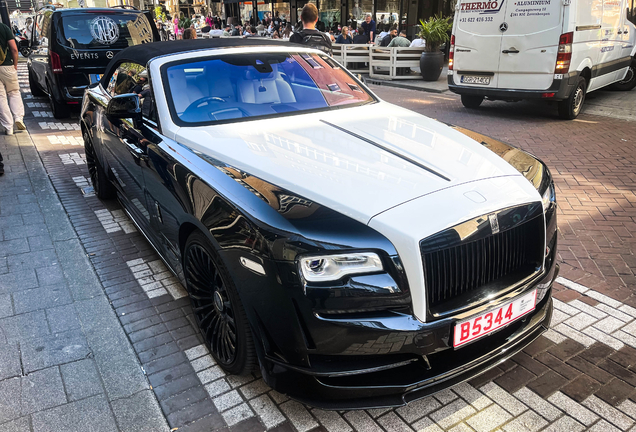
329, 157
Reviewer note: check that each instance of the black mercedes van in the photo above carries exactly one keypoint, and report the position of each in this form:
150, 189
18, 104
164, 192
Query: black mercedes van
72, 47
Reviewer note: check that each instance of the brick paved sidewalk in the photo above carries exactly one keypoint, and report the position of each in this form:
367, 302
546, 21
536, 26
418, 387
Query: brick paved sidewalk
580, 375
65, 362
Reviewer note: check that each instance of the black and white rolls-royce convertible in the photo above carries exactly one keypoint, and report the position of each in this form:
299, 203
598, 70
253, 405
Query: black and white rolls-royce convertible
358, 253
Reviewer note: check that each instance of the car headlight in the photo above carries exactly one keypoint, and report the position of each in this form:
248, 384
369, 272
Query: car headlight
322, 268
548, 197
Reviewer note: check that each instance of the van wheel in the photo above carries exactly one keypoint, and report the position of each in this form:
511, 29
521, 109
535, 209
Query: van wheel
629, 82
570, 108
33, 85
472, 102
60, 110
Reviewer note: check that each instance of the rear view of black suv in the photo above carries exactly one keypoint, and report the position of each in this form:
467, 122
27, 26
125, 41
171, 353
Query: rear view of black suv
72, 47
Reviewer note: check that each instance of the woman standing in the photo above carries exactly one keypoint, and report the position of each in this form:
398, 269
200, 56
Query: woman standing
176, 29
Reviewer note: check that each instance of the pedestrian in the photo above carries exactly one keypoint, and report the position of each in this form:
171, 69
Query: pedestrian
189, 33
369, 27
309, 35
11, 107
344, 37
400, 41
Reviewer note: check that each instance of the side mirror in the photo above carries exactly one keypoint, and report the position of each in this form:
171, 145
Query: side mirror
125, 106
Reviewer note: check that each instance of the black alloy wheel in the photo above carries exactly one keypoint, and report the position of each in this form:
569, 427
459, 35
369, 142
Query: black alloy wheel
629, 82
103, 188
33, 86
570, 108
217, 307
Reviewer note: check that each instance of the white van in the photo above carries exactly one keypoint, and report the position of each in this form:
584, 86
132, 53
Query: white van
546, 49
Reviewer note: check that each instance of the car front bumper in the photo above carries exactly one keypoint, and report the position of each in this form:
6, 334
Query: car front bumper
392, 360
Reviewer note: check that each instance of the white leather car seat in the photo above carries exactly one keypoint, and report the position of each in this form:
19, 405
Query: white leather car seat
265, 88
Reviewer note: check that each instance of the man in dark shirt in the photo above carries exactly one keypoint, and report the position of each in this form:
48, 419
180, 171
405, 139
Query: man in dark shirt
369, 27
361, 37
386, 40
309, 35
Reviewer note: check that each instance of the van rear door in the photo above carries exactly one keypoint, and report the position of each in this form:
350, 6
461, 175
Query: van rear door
478, 42
529, 44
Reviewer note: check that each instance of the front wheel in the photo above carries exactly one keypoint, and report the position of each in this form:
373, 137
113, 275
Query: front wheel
629, 82
217, 306
472, 102
570, 108
103, 188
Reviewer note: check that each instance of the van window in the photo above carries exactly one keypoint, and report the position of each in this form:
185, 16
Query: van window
104, 30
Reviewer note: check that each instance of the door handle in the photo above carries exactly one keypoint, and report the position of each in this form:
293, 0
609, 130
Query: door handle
134, 150
620, 32
511, 51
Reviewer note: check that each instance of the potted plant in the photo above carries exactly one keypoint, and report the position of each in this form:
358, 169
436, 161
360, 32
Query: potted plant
434, 32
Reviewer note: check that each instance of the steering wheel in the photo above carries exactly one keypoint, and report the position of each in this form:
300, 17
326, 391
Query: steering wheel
192, 108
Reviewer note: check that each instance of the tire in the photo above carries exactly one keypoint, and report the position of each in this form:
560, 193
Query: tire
472, 102
217, 306
630, 79
33, 85
570, 108
104, 189
60, 110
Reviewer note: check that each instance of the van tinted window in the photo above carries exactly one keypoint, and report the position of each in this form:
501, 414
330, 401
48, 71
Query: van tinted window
104, 30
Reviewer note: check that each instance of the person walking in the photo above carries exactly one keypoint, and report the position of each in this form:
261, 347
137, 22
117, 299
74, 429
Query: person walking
309, 35
11, 107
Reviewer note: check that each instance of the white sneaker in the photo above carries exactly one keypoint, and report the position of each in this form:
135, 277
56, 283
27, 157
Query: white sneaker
20, 125
8, 132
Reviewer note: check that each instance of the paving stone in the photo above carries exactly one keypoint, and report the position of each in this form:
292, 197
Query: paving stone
13, 247
6, 307
19, 425
17, 280
419, 408
589, 369
526, 422
603, 426
504, 399
426, 425
625, 357
24, 327
254, 389
54, 350
139, 413
176, 386
9, 404
618, 371
237, 414
211, 374
41, 390
62, 318
183, 399
41, 298
167, 375
191, 413
565, 423
580, 388
91, 414
514, 379
488, 419
298, 416
205, 424
392, 422
547, 384
452, 413
608, 412
541, 406
9, 361
615, 392
267, 411
573, 409
81, 379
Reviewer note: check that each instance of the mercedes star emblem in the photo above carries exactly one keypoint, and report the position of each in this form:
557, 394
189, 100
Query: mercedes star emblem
109, 54
503, 27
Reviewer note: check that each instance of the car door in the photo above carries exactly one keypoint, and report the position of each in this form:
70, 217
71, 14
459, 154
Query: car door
124, 148
605, 71
529, 44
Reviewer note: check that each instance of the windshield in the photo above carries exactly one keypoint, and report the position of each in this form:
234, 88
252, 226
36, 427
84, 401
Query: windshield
105, 30
230, 87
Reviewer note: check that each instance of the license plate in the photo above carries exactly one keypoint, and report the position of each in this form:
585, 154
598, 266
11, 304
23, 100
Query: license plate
493, 320
472, 79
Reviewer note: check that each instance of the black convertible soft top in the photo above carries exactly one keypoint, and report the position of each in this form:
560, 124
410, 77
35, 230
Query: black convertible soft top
143, 53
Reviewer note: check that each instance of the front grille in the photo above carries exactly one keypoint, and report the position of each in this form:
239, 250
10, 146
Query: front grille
490, 263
